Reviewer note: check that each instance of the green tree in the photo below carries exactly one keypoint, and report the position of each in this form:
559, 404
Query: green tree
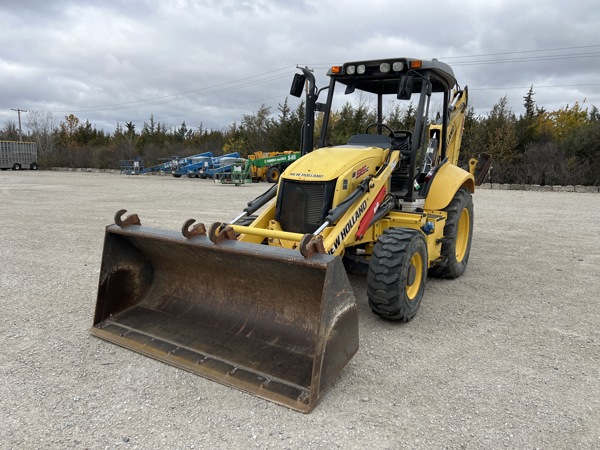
499, 135
582, 150
10, 131
255, 130
285, 132
526, 124
235, 141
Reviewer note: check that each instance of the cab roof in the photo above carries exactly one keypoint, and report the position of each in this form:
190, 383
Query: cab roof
382, 76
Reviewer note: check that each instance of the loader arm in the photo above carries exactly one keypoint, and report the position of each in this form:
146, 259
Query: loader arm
360, 215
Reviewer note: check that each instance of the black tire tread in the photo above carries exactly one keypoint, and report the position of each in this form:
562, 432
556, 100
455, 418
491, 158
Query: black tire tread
449, 268
384, 289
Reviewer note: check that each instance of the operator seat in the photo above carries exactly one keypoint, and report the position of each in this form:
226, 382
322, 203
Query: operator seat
371, 140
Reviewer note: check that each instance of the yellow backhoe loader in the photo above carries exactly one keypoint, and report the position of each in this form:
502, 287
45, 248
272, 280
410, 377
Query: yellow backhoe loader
262, 303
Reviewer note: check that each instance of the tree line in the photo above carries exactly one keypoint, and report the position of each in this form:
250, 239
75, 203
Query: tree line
536, 147
559, 147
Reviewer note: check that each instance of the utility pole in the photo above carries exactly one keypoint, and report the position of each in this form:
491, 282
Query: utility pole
19, 111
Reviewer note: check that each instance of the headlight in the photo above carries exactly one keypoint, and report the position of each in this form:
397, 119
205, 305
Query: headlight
361, 69
350, 70
384, 67
398, 66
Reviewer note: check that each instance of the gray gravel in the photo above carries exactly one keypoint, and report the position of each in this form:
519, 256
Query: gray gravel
506, 356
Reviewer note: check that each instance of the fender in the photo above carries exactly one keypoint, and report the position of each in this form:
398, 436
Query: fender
447, 180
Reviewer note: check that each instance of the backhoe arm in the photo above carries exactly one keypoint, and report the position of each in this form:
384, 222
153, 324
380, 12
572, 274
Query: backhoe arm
456, 124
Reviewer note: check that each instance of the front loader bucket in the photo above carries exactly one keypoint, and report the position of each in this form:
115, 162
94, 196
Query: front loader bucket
261, 319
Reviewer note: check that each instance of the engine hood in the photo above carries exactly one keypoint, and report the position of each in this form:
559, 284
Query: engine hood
329, 163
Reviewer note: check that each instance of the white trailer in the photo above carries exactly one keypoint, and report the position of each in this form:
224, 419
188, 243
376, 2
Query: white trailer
18, 155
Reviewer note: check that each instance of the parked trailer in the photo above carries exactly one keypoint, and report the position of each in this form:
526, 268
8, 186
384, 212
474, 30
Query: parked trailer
18, 155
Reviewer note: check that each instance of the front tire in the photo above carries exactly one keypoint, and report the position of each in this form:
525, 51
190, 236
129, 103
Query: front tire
397, 274
458, 233
273, 174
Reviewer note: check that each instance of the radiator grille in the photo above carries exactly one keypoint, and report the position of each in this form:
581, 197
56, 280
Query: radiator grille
302, 206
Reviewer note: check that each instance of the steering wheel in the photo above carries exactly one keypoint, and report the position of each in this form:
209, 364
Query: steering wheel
379, 124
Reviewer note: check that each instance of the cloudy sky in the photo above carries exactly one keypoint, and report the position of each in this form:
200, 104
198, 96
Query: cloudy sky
211, 61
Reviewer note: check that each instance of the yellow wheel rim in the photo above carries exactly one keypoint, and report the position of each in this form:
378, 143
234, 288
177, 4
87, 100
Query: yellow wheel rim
415, 276
462, 235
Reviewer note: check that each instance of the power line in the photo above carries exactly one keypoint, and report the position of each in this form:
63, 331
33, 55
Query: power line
223, 107
276, 74
532, 58
522, 51
185, 95
240, 83
535, 86
529, 59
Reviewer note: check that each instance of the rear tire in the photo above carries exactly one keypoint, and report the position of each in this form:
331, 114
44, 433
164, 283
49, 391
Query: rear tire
34, 166
273, 174
397, 274
16, 166
458, 233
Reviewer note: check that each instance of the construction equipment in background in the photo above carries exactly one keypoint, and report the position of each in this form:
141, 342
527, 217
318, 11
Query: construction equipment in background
17, 155
268, 166
220, 164
207, 167
238, 173
196, 166
262, 302
133, 166
164, 167
179, 166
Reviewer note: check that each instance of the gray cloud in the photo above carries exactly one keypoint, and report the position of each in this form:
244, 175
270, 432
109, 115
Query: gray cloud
212, 61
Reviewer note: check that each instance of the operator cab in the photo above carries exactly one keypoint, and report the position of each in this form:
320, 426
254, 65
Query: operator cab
394, 79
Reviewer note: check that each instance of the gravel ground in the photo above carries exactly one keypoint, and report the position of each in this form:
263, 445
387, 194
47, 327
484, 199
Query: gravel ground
506, 356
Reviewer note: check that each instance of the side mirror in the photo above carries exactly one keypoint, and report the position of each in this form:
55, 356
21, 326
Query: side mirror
297, 85
406, 87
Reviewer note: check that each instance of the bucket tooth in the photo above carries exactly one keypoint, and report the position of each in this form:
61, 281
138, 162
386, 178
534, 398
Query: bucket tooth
197, 230
219, 232
132, 219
